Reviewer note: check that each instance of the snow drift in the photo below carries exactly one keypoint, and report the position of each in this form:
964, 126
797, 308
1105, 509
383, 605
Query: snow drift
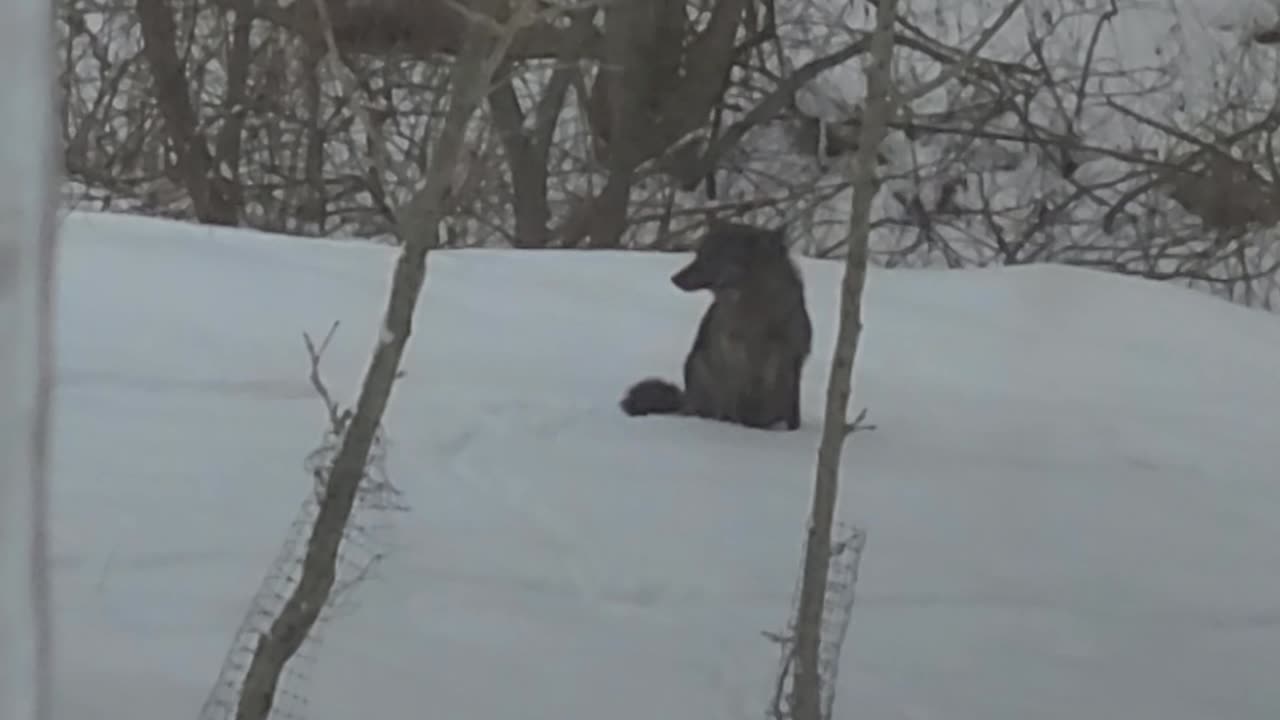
1071, 497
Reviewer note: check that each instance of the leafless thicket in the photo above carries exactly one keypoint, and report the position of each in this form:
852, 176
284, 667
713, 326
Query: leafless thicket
1128, 139
218, 112
627, 123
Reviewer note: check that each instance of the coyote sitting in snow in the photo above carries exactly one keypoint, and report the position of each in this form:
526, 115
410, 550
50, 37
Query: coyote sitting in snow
752, 343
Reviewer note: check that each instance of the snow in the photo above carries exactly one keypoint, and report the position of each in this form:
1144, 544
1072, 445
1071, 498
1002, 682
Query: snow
1071, 497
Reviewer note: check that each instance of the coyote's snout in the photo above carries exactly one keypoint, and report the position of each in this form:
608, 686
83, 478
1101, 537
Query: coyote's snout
751, 346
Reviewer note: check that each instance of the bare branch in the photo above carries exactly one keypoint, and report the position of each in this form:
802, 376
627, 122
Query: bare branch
966, 62
777, 100
337, 417
381, 160
858, 424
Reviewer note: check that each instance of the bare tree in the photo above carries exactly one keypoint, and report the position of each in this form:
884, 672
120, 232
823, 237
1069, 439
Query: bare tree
197, 167
417, 226
27, 256
878, 108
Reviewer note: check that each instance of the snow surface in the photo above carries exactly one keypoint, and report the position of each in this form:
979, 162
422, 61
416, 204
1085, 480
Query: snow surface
1072, 499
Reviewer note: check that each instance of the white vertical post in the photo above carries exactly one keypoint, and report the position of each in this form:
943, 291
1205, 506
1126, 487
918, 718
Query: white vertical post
28, 203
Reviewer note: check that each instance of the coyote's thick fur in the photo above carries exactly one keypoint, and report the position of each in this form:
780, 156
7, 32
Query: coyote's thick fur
752, 343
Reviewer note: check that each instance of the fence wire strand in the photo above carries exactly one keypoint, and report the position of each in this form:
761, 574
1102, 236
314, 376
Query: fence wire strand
363, 544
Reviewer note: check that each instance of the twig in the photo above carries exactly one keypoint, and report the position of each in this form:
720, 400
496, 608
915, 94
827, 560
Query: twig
858, 424
337, 417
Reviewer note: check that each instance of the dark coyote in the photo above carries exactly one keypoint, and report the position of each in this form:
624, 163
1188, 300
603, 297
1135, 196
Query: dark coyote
753, 341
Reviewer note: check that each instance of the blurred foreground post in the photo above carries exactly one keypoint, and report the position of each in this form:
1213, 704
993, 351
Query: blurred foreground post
27, 217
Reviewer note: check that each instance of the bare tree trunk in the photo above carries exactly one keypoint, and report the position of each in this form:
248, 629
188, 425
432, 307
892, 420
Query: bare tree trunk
27, 237
627, 83
528, 168
659, 83
528, 150
229, 140
417, 228
878, 107
195, 164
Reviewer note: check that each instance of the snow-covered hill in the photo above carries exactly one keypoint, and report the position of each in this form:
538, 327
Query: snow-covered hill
1072, 497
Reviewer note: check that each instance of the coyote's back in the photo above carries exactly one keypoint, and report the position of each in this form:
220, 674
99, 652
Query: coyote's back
751, 345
